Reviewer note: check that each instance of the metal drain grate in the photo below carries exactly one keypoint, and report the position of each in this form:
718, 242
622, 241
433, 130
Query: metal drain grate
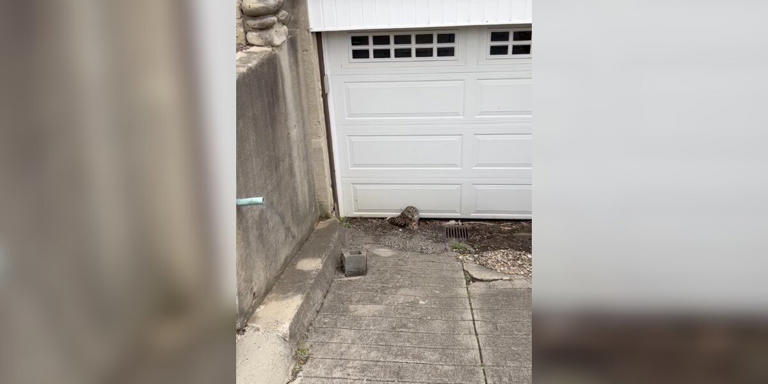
456, 232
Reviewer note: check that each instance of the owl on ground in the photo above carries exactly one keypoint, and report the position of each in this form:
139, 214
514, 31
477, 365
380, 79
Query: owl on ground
408, 218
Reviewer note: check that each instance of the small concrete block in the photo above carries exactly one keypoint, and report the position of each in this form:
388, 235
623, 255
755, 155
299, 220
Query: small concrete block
355, 261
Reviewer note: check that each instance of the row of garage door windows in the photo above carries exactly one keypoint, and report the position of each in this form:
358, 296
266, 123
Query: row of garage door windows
440, 45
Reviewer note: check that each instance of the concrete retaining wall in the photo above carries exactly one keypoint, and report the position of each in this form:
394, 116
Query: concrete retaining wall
281, 155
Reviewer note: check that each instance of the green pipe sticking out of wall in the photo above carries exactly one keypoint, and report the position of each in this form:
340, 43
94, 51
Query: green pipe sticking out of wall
250, 201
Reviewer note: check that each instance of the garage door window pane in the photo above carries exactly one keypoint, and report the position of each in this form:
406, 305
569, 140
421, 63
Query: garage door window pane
360, 54
380, 40
444, 38
380, 53
424, 39
522, 36
499, 36
403, 52
423, 52
444, 51
359, 40
521, 50
499, 50
402, 39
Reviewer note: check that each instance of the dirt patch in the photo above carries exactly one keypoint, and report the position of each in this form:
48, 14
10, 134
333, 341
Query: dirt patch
495, 235
501, 245
428, 238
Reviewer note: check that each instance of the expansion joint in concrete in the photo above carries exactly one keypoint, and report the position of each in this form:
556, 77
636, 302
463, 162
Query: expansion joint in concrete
474, 327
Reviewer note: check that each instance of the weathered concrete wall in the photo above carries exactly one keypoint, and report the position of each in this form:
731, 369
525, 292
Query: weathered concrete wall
281, 155
273, 162
267, 23
310, 79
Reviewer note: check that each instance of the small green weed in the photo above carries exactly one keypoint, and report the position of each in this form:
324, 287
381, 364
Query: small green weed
344, 221
460, 248
302, 356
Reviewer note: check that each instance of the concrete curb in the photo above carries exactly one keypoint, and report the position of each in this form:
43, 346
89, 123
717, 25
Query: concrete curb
265, 353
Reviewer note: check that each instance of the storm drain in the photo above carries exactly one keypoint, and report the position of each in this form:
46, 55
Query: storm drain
456, 232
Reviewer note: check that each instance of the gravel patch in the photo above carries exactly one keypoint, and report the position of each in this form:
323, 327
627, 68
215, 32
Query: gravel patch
508, 261
428, 238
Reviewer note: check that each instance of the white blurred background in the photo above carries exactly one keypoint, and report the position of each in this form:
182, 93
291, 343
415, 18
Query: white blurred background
649, 193
651, 176
117, 192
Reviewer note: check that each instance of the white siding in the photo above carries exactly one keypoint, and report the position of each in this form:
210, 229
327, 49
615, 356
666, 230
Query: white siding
347, 15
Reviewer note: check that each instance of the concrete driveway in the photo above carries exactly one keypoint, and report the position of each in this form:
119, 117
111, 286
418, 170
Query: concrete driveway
415, 318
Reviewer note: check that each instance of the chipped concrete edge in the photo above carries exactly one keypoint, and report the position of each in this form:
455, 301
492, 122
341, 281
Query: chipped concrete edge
265, 352
479, 273
251, 57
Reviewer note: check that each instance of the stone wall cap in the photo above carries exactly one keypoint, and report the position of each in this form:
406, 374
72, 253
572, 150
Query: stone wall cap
261, 7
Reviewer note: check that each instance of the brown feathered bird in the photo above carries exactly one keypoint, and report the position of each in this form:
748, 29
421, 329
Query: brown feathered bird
409, 218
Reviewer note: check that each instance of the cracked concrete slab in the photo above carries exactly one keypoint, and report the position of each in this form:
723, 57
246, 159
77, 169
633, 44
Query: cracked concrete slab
346, 337
402, 354
414, 319
394, 311
502, 312
508, 375
391, 371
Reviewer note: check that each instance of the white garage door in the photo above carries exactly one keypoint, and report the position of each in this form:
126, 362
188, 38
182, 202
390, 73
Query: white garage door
437, 119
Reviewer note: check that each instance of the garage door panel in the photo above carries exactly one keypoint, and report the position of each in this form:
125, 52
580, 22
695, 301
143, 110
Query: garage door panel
430, 127
403, 152
452, 138
502, 151
495, 199
438, 175
503, 98
388, 199
404, 99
